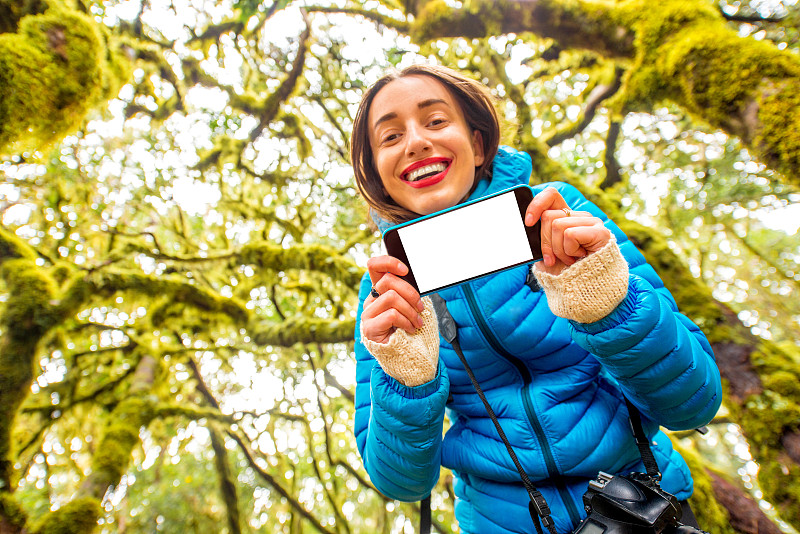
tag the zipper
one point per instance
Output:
(527, 401)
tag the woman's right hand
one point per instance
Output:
(398, 306)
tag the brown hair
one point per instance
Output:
(476, 105)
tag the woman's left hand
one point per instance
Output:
(567, 235)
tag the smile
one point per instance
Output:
(426, 173)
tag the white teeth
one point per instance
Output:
(416, 174)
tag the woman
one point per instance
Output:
(553, 363)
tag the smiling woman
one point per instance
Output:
(416, 151)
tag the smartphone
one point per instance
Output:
(467, 241)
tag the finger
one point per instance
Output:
(552, 237)
(391, 282)
(390, 311)
(584, 240)
(549, 199)
(378, 266)
(568, 233)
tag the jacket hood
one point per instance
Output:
(509, 168)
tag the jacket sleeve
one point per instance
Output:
(398, 428)
(661, 359)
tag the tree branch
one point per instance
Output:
(226, 480)
(610, 163)
(271, 105)
(303, 329)
(369, 14)
(596, 97)
(573, 24)
(310, 257)
(273, 483)
(750, 17)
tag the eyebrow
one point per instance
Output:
(421, 105)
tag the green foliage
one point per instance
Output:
(79, 516)
(780, 131)
(769, 416)
(53, 71)
(710, 515)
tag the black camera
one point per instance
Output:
(633, 503)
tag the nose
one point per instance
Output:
(416, 141)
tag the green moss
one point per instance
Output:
(716, 75)
(61, 272)
(769, 416)
(78, 516)
(12, 246)
(25, 85)
(310, 257)
(779, 115)
(685, 52)
(52, 72)
(784, 383)
(304, 330)
(12, 11)
(437, 14)
(28, 312)
(710, 514)
(26, 317)
(121, 436)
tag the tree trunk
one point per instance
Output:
(227, 480)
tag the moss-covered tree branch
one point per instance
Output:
(684, 51)
(383, 20)
(303, 329)
(310, 257)
(112, 456)
(105, 283)
(54, 69)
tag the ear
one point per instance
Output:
(477, 148)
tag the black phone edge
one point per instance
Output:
(534, 233)
(400, 254)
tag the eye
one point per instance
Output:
(437, 121)
(390, 138)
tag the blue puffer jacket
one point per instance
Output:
(554, 384)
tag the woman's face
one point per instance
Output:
(424, 151)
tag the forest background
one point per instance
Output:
(181, 239)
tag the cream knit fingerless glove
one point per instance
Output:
(589, 289)
(411, 359)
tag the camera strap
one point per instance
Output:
(642, 441)
(537, 506)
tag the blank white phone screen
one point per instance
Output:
(465, 243)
